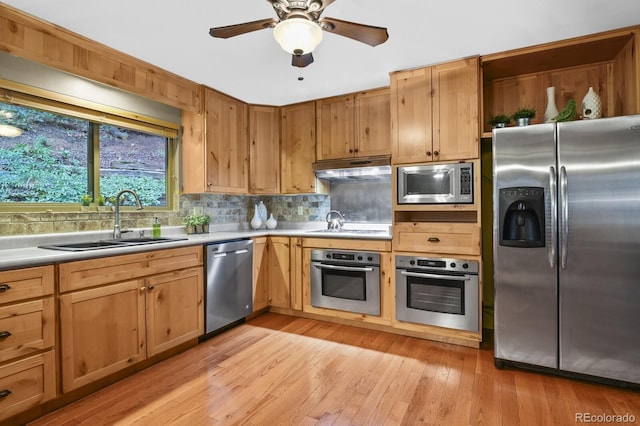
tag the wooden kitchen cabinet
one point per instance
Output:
(606, 61)
(298, 149)
(215, 148)
(119, 310)
(260, 274)
(264, 149)
(27, 339)
(441, 238)
(434, 113)
(354, 125)
(279, 272)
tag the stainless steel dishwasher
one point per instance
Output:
(229, 284)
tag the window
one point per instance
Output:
(52, 152)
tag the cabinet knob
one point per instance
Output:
(4, 334)
(4, 287)
(436, 153)
(428, 153)
(150, 287)
(434, 240)
(350, 151)
(142, 289)
(4, 393)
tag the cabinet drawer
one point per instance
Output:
(28, 283)
(93, 272)
(26, 383)
(26, 327)
(450, 238)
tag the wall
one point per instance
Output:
(229, 209)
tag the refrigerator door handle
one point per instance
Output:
(553, 194)
(565, 217)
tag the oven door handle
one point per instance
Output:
(342, 268)
(438, 277)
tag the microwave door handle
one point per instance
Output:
(342, 268)
(437, 277)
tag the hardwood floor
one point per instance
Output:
(285, 370)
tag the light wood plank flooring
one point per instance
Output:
(282, 370)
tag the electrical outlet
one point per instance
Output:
(197, 211)
(300, 210)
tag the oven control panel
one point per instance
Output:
(437, 264)
(345, 256)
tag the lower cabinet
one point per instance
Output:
(276, 273)
(108, 328)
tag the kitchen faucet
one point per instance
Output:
(336, 222)
(117, 233)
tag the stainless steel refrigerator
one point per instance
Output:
(566, 246)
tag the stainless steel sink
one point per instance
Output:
(105, 244)
(348, 231)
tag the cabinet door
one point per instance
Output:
(373, 123)
(226, 143)
(260, 274)
(296, 275)
(175, 313)
(102, 331)
(264, 150)
(279, 272)
(411, 124)
(298, 152)
(455, 110)
(335, 124)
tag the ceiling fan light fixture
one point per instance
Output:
(296, 35)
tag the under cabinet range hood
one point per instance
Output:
(350, 169)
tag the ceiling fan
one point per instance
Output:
(298, 28)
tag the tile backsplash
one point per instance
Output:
(222, 209)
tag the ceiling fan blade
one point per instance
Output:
(301, 61)
(247, 27)
(368, 34)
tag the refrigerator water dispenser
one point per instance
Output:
(522, 217)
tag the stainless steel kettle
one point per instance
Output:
(335, 223)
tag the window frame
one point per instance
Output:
(33, 97)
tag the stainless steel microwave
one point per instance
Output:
(436, 184)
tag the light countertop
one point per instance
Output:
(23, 251)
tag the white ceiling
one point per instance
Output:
(252, 67)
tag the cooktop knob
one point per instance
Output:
(465, 265)
(370, 258)
(328, 256)
(359, 257)
(453, 264)
(412, 262)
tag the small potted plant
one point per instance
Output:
(101, 203)
(205, 219)
(85, 201)
(500, 120)
(523, 116)
(190, 224)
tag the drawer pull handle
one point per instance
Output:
(434, 240)
(4, 287)
(4, 334)
(5, 393)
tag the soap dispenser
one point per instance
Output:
(156, 231)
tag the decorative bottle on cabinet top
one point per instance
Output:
(272, 222)
(591, 105)
(552, 111)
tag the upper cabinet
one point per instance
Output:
(298, 149)
(435, 113)
(226, 143)
(215, 146)
(264, 149)
(608, 62)
(354, 125)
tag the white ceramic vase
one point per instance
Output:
(551, 111)
(256, 223)
(262, 212)
(591, 105)
(272, 222)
